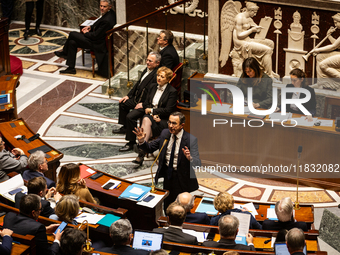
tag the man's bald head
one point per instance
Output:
(295, 240)
(186, 200)
(176, 214)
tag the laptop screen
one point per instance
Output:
(281, 249)
(147, 240)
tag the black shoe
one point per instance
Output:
(38, 32)
(69, 70)
(121, 130)
(60, 54)
(139, 160)
(26, 34)
(126, 147)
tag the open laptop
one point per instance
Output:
(146, 240)
(281, 249)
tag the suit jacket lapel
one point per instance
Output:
(164, 95)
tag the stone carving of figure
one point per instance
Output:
(296, 26)
(328, 60)
(242, 25)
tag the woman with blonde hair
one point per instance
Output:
(67, 209)
(69, 182)
(224, 203)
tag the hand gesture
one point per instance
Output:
(6, 231)
(140, 134)
(123, 99)
(58, 235)
(50, 193)
(18, 152)
(51, 228)
(82, 182)
(331, 30)
(186, 153)
(156, 118)
(249, 238)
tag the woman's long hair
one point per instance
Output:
(68, 179)
(252, 64)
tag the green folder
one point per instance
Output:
(108, 220)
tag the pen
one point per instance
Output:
(81, 217)
(118, 186)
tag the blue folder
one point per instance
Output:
(127, 194)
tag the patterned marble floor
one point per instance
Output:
(71, 113)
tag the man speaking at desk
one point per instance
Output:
(177, 159)
(93, 38)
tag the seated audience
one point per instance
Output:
(67, 209)
(72, 241)
(38, 186)
(228, 228)
(176, 216)
(121, 235)
(37, 165)
(137, 95)
(69, 182)
(168, 52)
(284, 212)
(25, 223)
(6, 246)
(186, 200)
(159, 104)
(224, 203)
(295, 240)
(16, 160)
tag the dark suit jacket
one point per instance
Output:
(186, 174)
(228, 244)
(140, 90)
(97, 36)
(278, 225)
(176, 235)
(123, 250)
(170, 57)
(30, 174)
(24, 225)
(310, 105)
(252, 225)
(47, 210)
(166, 104)
(200, 218)
(298, 253)
(6, 246)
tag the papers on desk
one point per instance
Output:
(88, 22)
(116, 183)
(250, 208)
(326, 123)
(5, 99)
(246, 110)
(218, 108)
(91, 218)
(13, 183)
(277, 117)
(271, 213)
(302, 121)
(85, 171)
(243, 229)
(153, 202)
(207, 206)
(201, 236)
(135, 192)
(108, 219)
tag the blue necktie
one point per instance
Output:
(171, 161)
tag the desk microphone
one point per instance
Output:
(167, 138)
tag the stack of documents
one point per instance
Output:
(91, 218)
(277, 117)
(135, 192)
(243, 228)
(14, 183)
(249, 207)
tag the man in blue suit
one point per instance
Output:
(178, 158)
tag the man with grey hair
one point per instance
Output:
(228, 228)
(187, 201)
(121, 235)
(284, 212)
(37, 164)
(135, 98)
(93, 38)
(14, 160)
(295, 240)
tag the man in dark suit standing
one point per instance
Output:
(26, 223)
(168, 52)
(228, 228)
(138, 94)
(176, 215)
(186, 200)
(177, 159)
(295, 240)
(92, 37)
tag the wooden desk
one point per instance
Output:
(270, 145)
(20, 249)
(10, 129)
(8, 84)
(141, 217)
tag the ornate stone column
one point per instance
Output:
(213, 33)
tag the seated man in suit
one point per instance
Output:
(138, 93)
(186, 200)
(25, 223)
(38, 186)
(92, 37)
(176, 216)
(16, 160)
(6, 246)
(284, 212)
(295, 240)
(121, 235)
(168, 52)
(72, 241)
(37, 165)
(228, 228)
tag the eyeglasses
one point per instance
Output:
(172, 123)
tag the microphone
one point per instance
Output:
(296, 204)
(299, 151)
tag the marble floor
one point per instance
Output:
(71, 113)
